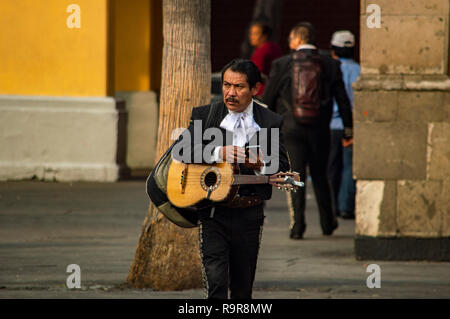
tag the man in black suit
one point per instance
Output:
(230, 234)
(308, 145)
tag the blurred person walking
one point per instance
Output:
(340, 162)
(265, 51)
(302, 86)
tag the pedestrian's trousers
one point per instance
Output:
(310, 147)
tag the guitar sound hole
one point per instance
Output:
(210, 179)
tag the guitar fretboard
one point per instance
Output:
(250, 179)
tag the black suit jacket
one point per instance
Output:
(263, 117)
(278, 91)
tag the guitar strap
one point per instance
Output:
(213, 114)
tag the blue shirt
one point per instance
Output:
(350, 72)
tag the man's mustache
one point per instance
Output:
(232, 99)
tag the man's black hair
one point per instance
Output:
(311, 31)
(246, 67)
(343, 52)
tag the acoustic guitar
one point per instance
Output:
(191, 184)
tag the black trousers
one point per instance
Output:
(310, 147)
(229, 245)
(335, 165)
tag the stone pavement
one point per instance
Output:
(44, 227)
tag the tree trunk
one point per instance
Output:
(167, 256)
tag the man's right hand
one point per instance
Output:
(232, 154)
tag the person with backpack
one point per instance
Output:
(302, 86)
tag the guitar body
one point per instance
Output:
(197, 185)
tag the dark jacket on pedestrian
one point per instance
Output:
(278, 92)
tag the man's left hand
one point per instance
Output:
(254, 161)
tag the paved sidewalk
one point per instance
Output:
(44, 227)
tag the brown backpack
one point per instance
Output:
(306, 86)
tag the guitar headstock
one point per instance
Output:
(289, 181)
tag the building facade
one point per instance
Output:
(78, 83)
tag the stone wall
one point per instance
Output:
(62, 138)
(402, 133)
(142, 130)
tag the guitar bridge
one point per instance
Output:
(183, 178)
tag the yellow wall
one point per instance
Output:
(40, 55)
(137, 44)
(117, 48)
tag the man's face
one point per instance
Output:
(294, 41)
(237, 94)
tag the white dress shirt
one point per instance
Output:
(306, 46)
(241, 124)
(243, 127)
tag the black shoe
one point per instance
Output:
(330, 232)
(297, 232)
(347, 215)
(294, 235)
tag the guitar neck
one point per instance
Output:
(250, 179)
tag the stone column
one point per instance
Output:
(402, 133)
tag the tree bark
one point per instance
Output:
(167, 256)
